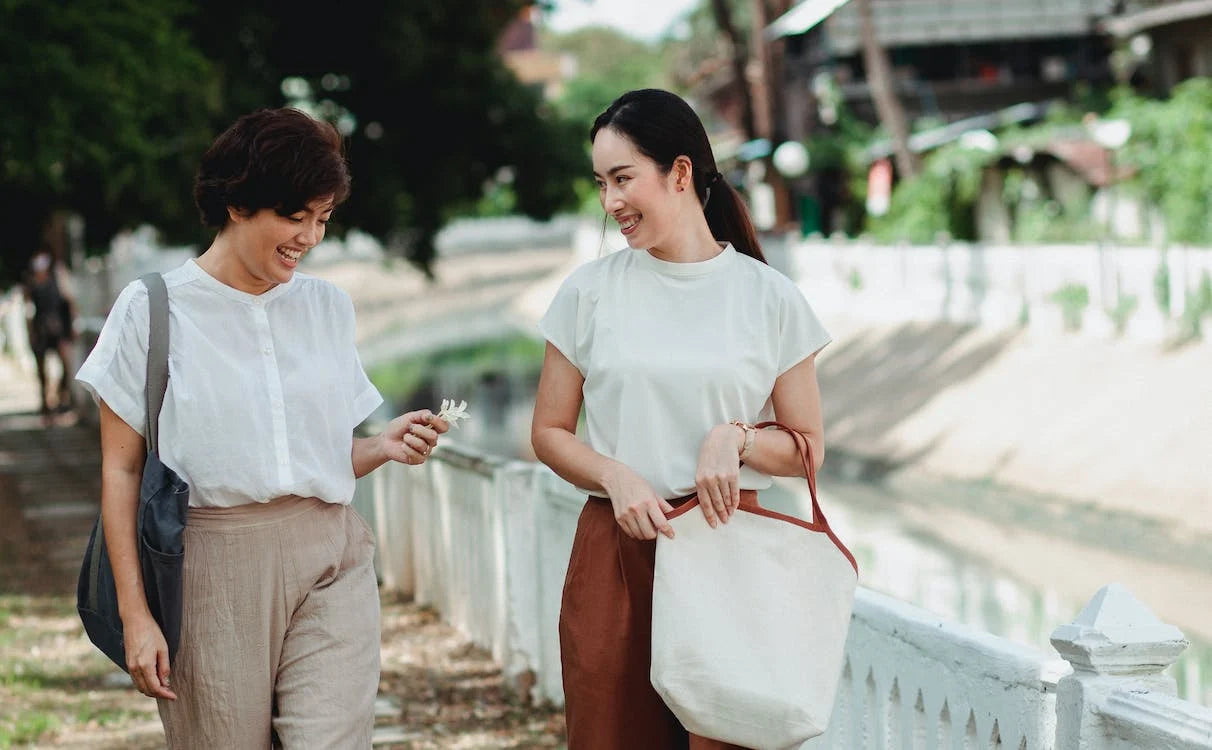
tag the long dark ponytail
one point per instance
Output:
(662, 126)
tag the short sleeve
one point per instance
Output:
(364, 396)
(367, 397)
(116, 369)
(800, 332)
(559, 325)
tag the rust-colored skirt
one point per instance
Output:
(606, 641)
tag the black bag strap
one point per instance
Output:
(156, 386)
(157, 356)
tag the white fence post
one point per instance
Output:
(1116, 645)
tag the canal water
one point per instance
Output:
(930, 542)
(1008, 562)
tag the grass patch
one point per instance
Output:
(52, 681)
(26, 674)
(25, 605)
(105, 716)
(27, 728)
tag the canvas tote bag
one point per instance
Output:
(749, 621)
(159, 525)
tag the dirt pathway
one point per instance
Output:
(436, 691)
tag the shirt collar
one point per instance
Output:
(197, 273)
(698, 268)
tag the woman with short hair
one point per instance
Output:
(280, 634)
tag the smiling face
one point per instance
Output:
(634, 191)
(268, 247)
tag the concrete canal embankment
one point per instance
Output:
(1123, 425)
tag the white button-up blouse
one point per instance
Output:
(264, 391)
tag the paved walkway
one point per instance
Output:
(437, 690)
(49, 490)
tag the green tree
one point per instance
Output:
(106, 107)
(1169, 152)
(109, 105)
(704, 49)
(608, 63)
(432, 113)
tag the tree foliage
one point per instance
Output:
(1165, 157)
(608, 63)
(434, 112)
(105, 102)
(703, 47)
(110, 105)
(1170, 150)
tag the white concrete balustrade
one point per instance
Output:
(1117, 696)
(999, 286)
(913, 680)
(486, 541)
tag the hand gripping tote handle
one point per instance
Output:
(159, 524)
(749, 620)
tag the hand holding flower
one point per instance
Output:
(411, 437)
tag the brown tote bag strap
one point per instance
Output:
(805, 448)
(818, 515)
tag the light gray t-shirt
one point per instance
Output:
(669, 350)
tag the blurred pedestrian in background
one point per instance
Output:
(48, 289)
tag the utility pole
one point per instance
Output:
(883, 92)
(740, 63)
(771, 54)
(768, 99)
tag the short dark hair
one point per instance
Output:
(662, 126)
(281, 159)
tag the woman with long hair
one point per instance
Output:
(675, 348)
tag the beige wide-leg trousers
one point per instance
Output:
(280, 641)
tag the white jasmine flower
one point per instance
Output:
(452, 413)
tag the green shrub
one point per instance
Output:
(1161, 287)
(1170, 149)
(1073, 300)
(1199, 305)
(1124, 307)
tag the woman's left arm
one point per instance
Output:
(797, 404)
(408, 439)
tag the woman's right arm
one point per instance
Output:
(122, 455)
(637, 508)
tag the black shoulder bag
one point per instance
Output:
(159, 525)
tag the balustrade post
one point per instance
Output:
(1116, 643)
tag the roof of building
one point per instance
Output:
(901, 23)
(1159, 14)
